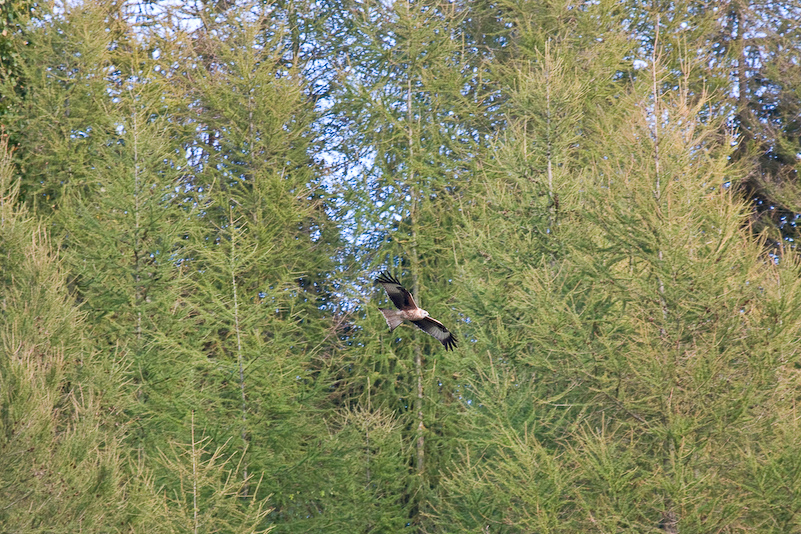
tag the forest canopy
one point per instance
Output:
(598, 198)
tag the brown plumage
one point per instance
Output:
(409, 311)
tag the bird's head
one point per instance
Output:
(425, 313)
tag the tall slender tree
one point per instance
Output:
(259, 267)
(63, 460)
(124, 211)
(749, 49)
(641, 367)
(412, 98)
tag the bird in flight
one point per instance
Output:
(409, 311)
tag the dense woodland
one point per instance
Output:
(598, 198)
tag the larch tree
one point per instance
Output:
(101, 159)
(110, 160)
(523, 216)
(63, 453)
(750, 51)
(413, 100)
(649, 350)
(259, 264)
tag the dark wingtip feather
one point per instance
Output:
(386, 278)
(450, 343)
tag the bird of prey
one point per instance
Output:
(409, 311)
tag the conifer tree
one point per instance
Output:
(63, 459)
(53, 101)
(521, 216)
(119, 199)
(641, 366)
(13, 19)
(125, 212)
(413, 101)
(258, 267)
(101, 158)
(749, 49)
(190, 347)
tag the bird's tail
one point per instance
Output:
(393, 318)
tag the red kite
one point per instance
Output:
(408, 310)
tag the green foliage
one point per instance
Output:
(644, 344)
(13, 17)
(58, 112)
(62, 454)
(199, 199)
(210, 495)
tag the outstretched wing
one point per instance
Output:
(435, 328)
(401, 298)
